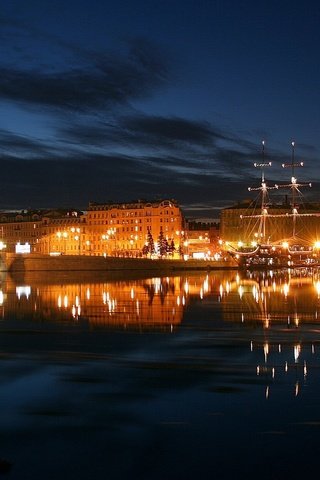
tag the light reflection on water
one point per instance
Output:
(267, 298)
(160, 378)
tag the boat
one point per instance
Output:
(267, 249)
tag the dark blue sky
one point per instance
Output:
(122, 100)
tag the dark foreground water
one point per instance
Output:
(192, 377)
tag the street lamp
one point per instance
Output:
(186, 250)
(63, 236)
(111, 234)
(181, 237)
(133, 242)
(77, 237)
(106, 238)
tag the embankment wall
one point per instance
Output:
(32, 262)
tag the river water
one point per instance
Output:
(195, 376)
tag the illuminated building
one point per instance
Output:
(40, 229)
(105, 229)
(241, 223)
(19, 227)
(63, 234)
(202, 239)
(109, 229)
(122, 229)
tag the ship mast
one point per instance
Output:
(294, 187)
(263, 188)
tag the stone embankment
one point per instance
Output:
(71, 263)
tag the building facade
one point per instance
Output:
(19, 228)
(245, 224)
(107, 229)
(202, 239)
(41, 231)
(124, 229)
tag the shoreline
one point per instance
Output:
(12, 263)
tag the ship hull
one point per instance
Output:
(268, 257)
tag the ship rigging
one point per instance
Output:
(268, 247)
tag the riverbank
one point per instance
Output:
(76, 263)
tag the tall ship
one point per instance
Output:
(272, 235)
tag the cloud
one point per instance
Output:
(108, 79)
(153, 157)
(48, 180)
(171, 130)
(143, 132)
(20, 145)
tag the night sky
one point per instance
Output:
(124, 100)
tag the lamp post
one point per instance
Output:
(316, 249)
(63, 236)
(183, 242)
(110, 235)
(133, 243)
(77, 237)
(106, 238)
(186, 249)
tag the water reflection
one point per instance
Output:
(171, 377)
(282, 308)
(276, 314)
(150, 302)
(265, 298)
(290, 297)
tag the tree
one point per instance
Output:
(171, 248)
(162, 244)
(145, 250)
(150, 242)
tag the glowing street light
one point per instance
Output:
(63, 235)
(77, 237)
(110, 235)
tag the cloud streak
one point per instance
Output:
(108, 80)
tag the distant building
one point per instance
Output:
(63, 232)
(202, 239)
(44, 231)
(242, 222)
(19, 228)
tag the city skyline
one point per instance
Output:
(119, 101)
